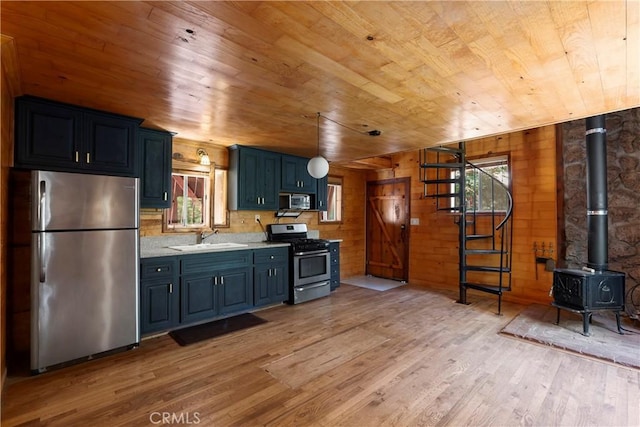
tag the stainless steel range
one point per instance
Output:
(310, 265)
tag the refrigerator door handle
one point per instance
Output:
(41, 256)
(42, 204)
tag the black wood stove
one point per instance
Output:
(594, 287)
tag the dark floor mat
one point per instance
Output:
(194, 334)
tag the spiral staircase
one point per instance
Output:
(485, 232)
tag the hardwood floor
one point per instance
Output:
(408, 356)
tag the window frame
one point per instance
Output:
(182, 228)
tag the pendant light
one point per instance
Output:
(318, 167)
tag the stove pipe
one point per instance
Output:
(597, 215)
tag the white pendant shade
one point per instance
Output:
(318, 167)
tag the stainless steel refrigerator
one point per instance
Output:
(84, 266)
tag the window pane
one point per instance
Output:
(195, 201)
(482, 194)
(189, 208)
(485, 193)
(334, 203)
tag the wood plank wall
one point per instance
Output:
(434, 243)
(9, 87)
(350, 230)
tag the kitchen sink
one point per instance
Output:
(208, 246)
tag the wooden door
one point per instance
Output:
(388, 228)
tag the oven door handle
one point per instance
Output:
(323, 251)
(314, 285)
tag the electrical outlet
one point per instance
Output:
(257, 220)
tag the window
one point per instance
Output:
(481, 193)
(190, 203)
(334, 201)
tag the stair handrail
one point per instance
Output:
(509, 210)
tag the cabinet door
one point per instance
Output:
(270, 179)
(159, 306)
(289, 178)
(307, 182)
(250, 166)
(322, 193)
(279, 288)
(295, 177)
(198, 297)
(155, 173)
(261, 279)
(110, 144)
(47, 135)
(235, 290)
(270, 283)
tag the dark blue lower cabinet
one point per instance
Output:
(159, 294)
(334, 248)
(207, 295)
(235, 290)
(270, 284)
(270, 276)
(159, 306)
(177, 291)
(199, 297)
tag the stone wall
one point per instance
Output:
(623, 182)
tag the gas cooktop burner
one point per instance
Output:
(296, 236)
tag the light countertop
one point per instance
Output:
(167, 251)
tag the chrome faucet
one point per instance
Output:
(203, 235)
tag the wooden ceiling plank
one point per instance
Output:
(337, 70)
(578, 43)
(435, 72)
(10, 65)
(238, 20)
(632, 56)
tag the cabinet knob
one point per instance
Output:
(165, 196)
(77, 157)
(271, 257)
(88, 157)
(170, 288)
(158, 269)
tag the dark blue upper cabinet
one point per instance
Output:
(322, 193)
(155, 168)
(55, 136)
(254, 179)
(295, 177)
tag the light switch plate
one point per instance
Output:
(415, 221)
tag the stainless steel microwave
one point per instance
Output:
(296, 202)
